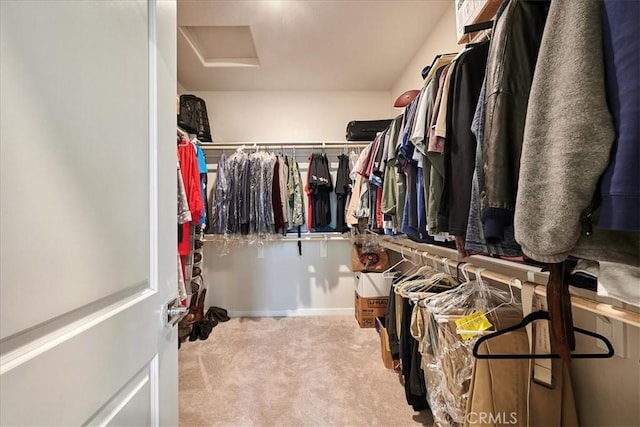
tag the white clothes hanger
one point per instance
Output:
(386, 274)
(183, 134)
(415, 289)
(419, 272)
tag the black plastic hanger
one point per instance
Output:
(540, 315)
(473, 28)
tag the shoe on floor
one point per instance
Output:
(218, 313)
(206, 326)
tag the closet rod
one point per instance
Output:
(281, 146)
(617, 313)
(305, 237)
(285, 145)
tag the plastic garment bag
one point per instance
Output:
(447, 326)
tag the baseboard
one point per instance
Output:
(293, 313)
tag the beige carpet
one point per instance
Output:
(295, 371)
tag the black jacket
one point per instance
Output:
(511, 63)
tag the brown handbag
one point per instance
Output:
(369, 258)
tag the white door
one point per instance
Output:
(88, 212)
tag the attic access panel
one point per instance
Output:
(222, 46)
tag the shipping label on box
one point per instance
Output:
(367, 309)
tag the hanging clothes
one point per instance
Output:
(359, 204)
(410, 209)
(620, 191)
(435, 152)
(554, 208)
(459, 156)
(319, 188)
(220, 200)
(295, 197)
(343, 190)
(238, 198)
(256, 194)
(308, 190)
(277, 200)
(184, 214)
(261, 190)
(193, 189)
(511, 63)
(283, 171)
(191, 179)
(203, 170)
(393, 187)
(414, 381)
(245, 206)
(184, 217)
(475, 242)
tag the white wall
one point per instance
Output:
(181, 89)
(607, 391)
(290, 116)
(284, 283)
(442, 39)
(250, 116)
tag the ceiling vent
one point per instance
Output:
(222, 46)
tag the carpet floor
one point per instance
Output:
(291, 371)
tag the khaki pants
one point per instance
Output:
(502, 393)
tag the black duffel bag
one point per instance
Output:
(365, 130)
(193, 117)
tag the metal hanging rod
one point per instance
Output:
(284, 145)
(305, 237)
(608, 310)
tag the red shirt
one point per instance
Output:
(191, 178)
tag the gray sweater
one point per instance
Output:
(567, 141)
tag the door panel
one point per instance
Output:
(76, 99)
(83, 371)
(88, 220)
(131, 406)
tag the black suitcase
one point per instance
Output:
(365, 130)
(193, 117)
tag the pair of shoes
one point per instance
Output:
(195, 332)
(198, 244)
(210, 316)
(196, 272)
(199, 315)
(196, 284)
(191, 314)
(184, 331)
(206, 326)
(218, 313)
(197, 257)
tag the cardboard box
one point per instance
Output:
(367, 309)
(372, 284)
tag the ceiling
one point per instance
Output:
(228, 45)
